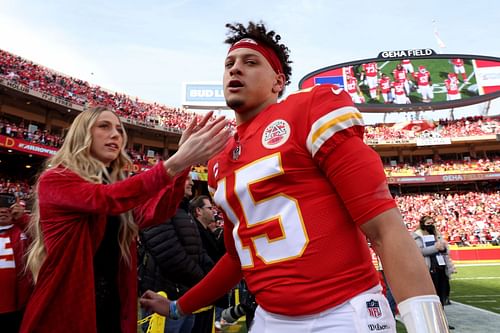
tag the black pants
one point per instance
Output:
(10, 322)
(203, 322)
(441, 282)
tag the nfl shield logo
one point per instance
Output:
(373, 309)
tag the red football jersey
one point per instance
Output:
(8, 277)
(299, 243)
(370, 69)
(385, 84)
(452, 86)
(422, 78)
(351, 85)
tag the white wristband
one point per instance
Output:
(423, 314)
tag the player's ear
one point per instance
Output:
(279, 83)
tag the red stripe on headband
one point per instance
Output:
(266, 51)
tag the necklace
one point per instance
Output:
(237, 149)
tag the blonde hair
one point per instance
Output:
(75, 155)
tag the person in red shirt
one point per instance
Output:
(459, 68)
(300, 193)
(424, 83)
(399, 75)
(85, 221)
(452, 88)
(398, 92)
(370, 76)
(384, 86)
(407, 65)
(15, 283)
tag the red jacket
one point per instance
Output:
(73, 215)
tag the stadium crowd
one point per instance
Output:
(444, 167)
(21, 131)
(34, 76)
(469, 126)
(37, 77)
(464, 219)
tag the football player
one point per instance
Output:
(300, 192)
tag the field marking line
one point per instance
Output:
(477, 309)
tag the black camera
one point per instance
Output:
(235, 312)
(7, 200)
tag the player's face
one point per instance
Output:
(107, 138)
(250, 83)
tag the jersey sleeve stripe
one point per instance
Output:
(330, 124)
(211, 191)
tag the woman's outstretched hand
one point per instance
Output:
(199, 142)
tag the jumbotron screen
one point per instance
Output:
(416, 80)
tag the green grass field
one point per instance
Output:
(439, 69)
(477, 286)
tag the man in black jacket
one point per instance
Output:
(172, 259)
(203, 213)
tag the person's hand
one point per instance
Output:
(17, 211)
(440, 245)
(199, 142)
(151, 301)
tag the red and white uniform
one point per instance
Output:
(385, 88)
(8, 278)
(351, 86)
(452, 89)
(400, 76)
(294, 186)
(371, 77)
(407, 65)
(399, 93)
(423, 78)
(458, 66)
(15, 286)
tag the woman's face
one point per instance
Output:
(107, 138)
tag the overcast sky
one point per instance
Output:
(149, 48)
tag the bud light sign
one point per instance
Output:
(204, 94)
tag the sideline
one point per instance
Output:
(468, 319)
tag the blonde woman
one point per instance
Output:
(86, 218)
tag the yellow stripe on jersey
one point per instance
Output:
(330, 124)
(211, 190)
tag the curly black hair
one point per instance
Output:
(259, 33)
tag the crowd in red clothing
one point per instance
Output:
(34, 76)
(25, 72)
(20, 188)
(469, 218)
(444, 167)
(464, 219)
(21, 131)
(470, 126)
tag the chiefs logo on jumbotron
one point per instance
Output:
(374, 309)
(276, 134)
